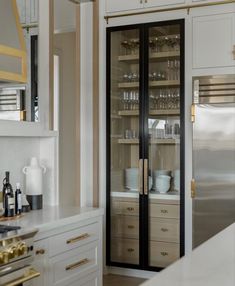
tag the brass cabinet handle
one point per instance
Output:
(31, 274)
(131, 226)
(79, 238)
(163, 253)
(40, 251)
(130, 250)
(146, 176)
(164, 211)
(130, 209)
(77, 264)
(141, 161)
(164, 229)
(193, 188)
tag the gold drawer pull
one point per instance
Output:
(130, 209)
(77, 264)
(164, 211)
(130, 250)
(29, 275)
(40, 251)
(79, 238)
(164, 253)
(131, 226)
(164, 229)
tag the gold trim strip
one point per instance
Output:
(32, 273)
(183, 7)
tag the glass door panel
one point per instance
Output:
(124, 146)
(164, 124)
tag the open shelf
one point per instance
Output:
(153, 141)
(164, 112)
(153, 57)
(158, 83)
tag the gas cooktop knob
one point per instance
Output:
(1, 258)
(22, 248)
(13, 252)
(6, 257)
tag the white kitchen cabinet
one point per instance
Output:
(113, 6)
(33, 8)
(213, 41)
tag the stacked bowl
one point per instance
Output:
(131, 179)
(161, 181)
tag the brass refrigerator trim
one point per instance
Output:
(193, 113)
(193, 188)
(183, 7)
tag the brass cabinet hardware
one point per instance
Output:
(130, 250)
(141, 161)
(163, 253)
(40, 251)
(164, 211)
(161, 10)
(164, 229)
(193, 113)
(193, 189)
(23, 115)
(31, 274)
(79, 238)
(130, 209)
(146, 176)
(77, 264)
(130, 226)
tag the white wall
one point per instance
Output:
(65, 16)
(65, 47)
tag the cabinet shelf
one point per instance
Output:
(164, 112)
(159, 83)
(153, 57)
(153, 141)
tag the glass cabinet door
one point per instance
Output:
(123, 133)
(164, 152)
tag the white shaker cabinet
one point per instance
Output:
(33, 8)
(28, 11)
(213, 41)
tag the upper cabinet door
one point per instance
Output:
(213, 41)
(156, 3)
(33, 11)
(21, 4)
(113, 6)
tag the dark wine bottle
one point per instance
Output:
(8, 197)
(18, 200)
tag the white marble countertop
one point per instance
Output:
(211, 264)
(50, 218)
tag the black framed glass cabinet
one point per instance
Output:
(145, 145)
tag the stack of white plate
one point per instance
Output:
(157, 173)
(176, 175)
(163, 184)
(131, 179)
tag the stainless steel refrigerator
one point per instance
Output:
(213, 184)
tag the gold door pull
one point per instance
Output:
(131, 226)
(193, 189)
(77, 264)
(79, 238)
(164, 229)
(163, 253)
(130, 250)
(130, 209)
(29, 275)
(40, 251)
(193, 113)
(164, 211)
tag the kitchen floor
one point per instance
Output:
(117, 280)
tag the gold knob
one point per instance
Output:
(22, 248)
(1, 258)
(40, 251)
(6, 257)
(13, 252)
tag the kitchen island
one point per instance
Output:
(211, 264)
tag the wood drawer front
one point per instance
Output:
(164, 211)
(125, 250)
(163, 254)
(73, 239)
(125, 208)
(166, 230)
(74, 264)
(125, 226)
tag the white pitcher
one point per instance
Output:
(34, 177)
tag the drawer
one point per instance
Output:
(163, 254)
(125, 250)
(125, 226)
(73, 239)
(164, 211)
(125, 208)
(164, 230)
(91, 280)
(74, 264)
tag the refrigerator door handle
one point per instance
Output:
(193, 189)
(141, 167)
(145, 177)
